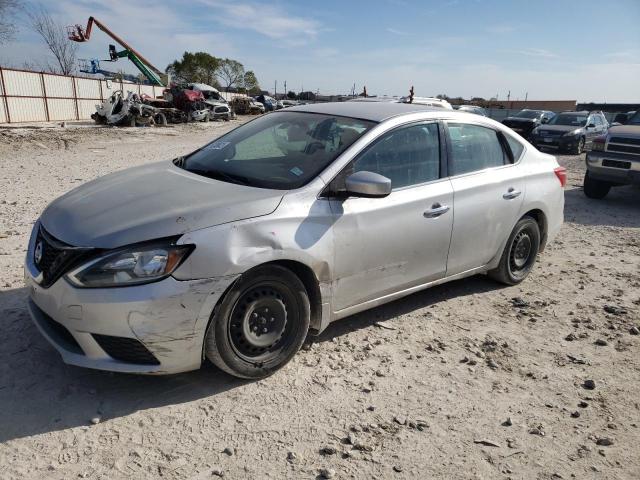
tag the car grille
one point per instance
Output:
(127, 350)
(616, 164)
(624, 145)
(551, 133)
(57, 257)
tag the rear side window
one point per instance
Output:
(516, 147)
(407, 155)
(474, 148)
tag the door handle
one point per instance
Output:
(511, 194)
(436, 210)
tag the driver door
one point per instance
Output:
(384, 245)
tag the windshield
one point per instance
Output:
(527, 114)
(283, 150)
(571, 119)
(635, 120)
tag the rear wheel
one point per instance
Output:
(594, 188)
(519, 253)
(260, 324)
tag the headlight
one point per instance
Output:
(572, 133)
(130, 266)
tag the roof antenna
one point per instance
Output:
(411, 94)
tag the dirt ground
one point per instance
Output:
(469, 380)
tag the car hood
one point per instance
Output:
(148, 202)
(559, 128)
(633, 130)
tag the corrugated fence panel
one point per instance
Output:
(88, 88)
(57, 86)
(22, 83)
(86, 108)
(62, 109)
(3, 114)
(26, 109)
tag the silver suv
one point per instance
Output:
(236, 252)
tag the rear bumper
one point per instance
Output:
(156, 328)
(618, 174)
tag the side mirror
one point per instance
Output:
(591, 125)
(545, 120)
(368, 185)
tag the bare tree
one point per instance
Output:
(55, 37)
(8, 9)
(230, 72)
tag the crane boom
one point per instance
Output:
(77, 34)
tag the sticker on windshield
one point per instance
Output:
(296, 171)
(216, 146)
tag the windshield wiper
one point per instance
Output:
(219, 175)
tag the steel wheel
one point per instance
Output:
(520, 252)
(259, 322)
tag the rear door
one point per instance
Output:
(384, 245)
(488, 188)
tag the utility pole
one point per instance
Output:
(285, 88)
(526, 96)
(275, 89)
(509, 96)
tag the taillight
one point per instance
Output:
(561, 173)
(598, 143)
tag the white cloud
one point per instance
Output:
(537, 52)
(401, 33)
(500, 29)
(267, 20)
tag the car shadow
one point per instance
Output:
(416, 301)
(39, 393)
(620, 208)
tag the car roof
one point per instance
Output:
(373, 111)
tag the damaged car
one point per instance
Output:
(218, 107)
(129, 111)
(238, 251)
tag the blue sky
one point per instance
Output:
(551, 49)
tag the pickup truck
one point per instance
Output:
(614, 159)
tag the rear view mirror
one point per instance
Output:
(368, 184)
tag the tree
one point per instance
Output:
(199, 67)
(230, 72)
(55, 37)
(8, 9)
(250, 82)
(291, 95)
(307, 96)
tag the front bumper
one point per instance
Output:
(560, 143)
(614, 168)
(167, 318)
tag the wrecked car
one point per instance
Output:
(246, 106)
(236, 252)
(127, 111)
(218, 106)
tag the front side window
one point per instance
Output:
(407, 155)
(527, 114)
(282, 150)
(474, 148)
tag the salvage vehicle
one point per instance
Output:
(614, 159)
(570, 131)
(127, 111)
(526, 120)
(218, 106)
(268, 102)
(246, 106)
(472, 109)
(236, 252)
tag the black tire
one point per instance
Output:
(579, 148)
(594, 188)
(519, 253)
(235, 341)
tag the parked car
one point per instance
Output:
(570, 131)
(243, 105)
(526, 120)
(289, 103)
(237, 251)
(472, 109)
(614, 159)
(428, 102)
(268, 102)
(622, 118)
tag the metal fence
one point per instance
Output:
(27, 96)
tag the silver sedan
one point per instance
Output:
(239, 250)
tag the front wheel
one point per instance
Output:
(260, 324)
(579, 148)
(594, 188)
(519, 253)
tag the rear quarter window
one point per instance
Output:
(516, 147)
